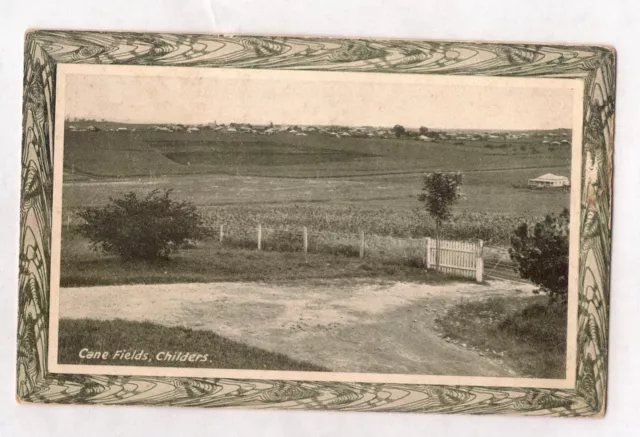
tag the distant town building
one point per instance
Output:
(549, 181)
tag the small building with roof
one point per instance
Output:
(549, 180)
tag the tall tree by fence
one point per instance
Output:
(440, 192)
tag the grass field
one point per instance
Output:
(529, 334)
(113, 335)
(489, 192)
(144, 152)
(330, 185)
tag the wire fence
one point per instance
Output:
(498, 265)
(308, 240)
(412, 251)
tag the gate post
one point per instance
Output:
(427, 258)
(479, 263)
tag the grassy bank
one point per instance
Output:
(211, 262)
(526, 332)
(214, 351)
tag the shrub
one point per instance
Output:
(148, 228)
(541, 253)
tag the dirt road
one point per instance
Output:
(346, 326)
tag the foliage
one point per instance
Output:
(424, 130)
(441, 190)
(524, 331)
(541, 252)
(399, 130)
(147, 228)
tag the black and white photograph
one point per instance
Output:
(315, 225)
(277, 218)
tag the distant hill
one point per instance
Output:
(96, 149)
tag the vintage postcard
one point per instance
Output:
(310, 228)
(265, 224)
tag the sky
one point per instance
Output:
(199, 96)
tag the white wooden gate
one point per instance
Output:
(459, 258)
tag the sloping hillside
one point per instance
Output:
(114, 154)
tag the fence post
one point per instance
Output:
(428, 257)
(305, 239)
(438, 254)
(259, 236)
(221, 233)
(479, 263)
(361, 244)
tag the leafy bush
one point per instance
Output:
(147, 228)
(541, 253)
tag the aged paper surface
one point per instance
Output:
(305, 180)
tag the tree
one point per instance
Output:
(441, 191)
(399, 130)
(148, 228)
(541, 253)
(424, 130)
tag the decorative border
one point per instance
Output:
(44, 49)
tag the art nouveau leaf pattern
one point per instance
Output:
(45, 49)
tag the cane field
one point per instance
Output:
(336, 187)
